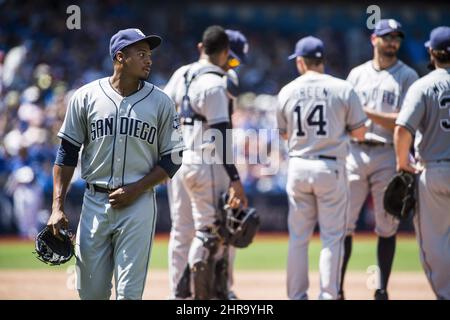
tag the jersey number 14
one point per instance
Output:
(315, 118)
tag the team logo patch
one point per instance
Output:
(176, 126)
(176, 122)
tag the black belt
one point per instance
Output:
(371, 143)
(100, 189)
(319, 157)
(327, 158)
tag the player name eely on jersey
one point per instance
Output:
(126, 126)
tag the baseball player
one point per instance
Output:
(129, 131)
(183, 231)
(316, 114)
(381, 84)
(201, 92)
(426, 115)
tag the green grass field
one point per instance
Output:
(264, 254)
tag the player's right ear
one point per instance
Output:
(120, 57)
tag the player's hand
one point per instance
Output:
(123, 196)
(57, 221)
(368, 110)
(408, 167)
(237, 195)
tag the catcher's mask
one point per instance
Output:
(237, 226)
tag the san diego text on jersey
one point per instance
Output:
(126, 126)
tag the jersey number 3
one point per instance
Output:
(315, 118)
(444, 103)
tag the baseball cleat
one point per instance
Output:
(381, 294)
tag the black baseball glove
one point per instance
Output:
(54, 250)
(399, 196)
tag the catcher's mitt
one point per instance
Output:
(399, 196)
(54, 250)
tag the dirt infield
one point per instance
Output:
(261, 285)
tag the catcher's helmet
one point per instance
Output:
(238, 226)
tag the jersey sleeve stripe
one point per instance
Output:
(65, 136)
(357, 125)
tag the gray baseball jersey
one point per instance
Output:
(426, 111)
(122, 139)
(428, 102)
(315, 111)
(382, 90)
(208, 98)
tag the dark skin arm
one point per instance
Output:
(126, 195)
(62, 175)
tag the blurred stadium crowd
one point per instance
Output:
(42, 62)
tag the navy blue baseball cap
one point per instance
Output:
(238, 45)
(309, 47)
(439, 39)
(385, 26)
(127, 37)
